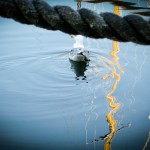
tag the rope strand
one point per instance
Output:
(83, 21)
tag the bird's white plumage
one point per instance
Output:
(78, 42)
(79, 53)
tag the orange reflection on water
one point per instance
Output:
(112, 105)
(113, 54)
(115, 45)
(109, 116)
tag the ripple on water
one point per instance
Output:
(47, 80)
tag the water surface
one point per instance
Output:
(45, 106)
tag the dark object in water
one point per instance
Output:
(79, 68)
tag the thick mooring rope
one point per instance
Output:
(83, 21)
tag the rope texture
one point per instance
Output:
(83, 21)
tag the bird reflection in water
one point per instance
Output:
(79, 69)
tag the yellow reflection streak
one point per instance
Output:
(113, 54)
(115, 45)
(112, 105)
(109, 116)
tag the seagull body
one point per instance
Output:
(79, 54)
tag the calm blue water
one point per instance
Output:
(44, 106)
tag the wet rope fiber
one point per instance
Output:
(85, 22)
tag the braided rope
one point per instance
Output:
(83, 21)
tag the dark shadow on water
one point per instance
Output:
(79, 69)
